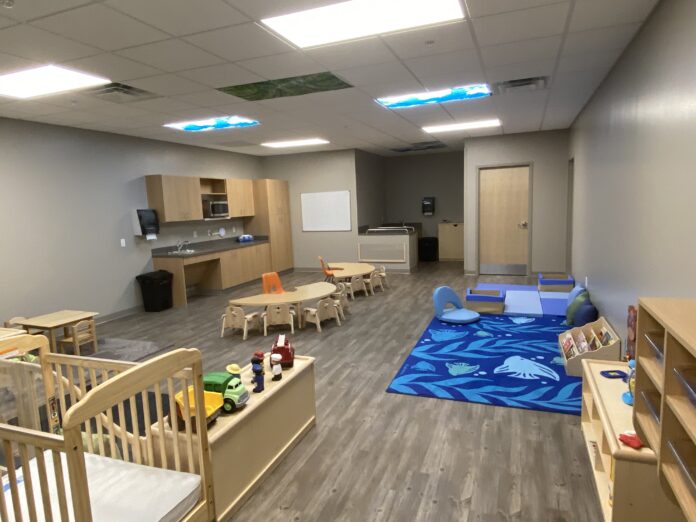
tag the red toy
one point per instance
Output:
(283, 347)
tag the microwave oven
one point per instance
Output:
(215, 209)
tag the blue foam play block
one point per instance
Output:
(505, 288)
(459, 316)
(523, 303)
(568, 280)
(552, 306)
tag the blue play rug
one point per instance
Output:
(500, 360)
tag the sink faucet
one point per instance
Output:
(180, 245)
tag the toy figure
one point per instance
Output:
(283, 347)
(276, 367)
(234, 370)
(631, 332)
(257, 358)
(258, 377)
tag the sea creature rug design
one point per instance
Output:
(499, 360)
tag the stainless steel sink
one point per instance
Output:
(185, 251)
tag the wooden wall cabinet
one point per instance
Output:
(175, 198)
(451, 241)
(240, 197)
(272, 218)
(242, 265)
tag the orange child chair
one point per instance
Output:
(327, 271)
(271, 283)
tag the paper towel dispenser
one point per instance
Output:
(146, 223)
(428, 206)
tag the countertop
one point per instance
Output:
(388, 233)
(202, 248)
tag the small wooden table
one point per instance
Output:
(49, 322)
(348, 270)
(310, 292)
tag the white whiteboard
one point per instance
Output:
(326, 211)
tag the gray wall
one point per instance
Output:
(370, 189)
(547, 152)
(634, 211)
(411, 178)
(317, 172)
(65, 203)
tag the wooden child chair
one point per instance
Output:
(340, 298)
(271, 283)
(78, 334)
(382, 271)
(326, 309)
(373, 282)
(278, 314)
(234, 317)
(356, 284)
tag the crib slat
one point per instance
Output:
(71, 384)
(100, 429)
(160, 424)
(110, 421)
(12, 475)
(88, 424)
(28, 482)
(43, 481)
(61, 389)
(187, 418)
(60, 485)
(3, 505)
(150, 458)
(173, 417)
(136, 431)
(124, 432)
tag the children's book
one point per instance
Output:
(581, 343)
(569, 346)
(606, 336)
(595, 343)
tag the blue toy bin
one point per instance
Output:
(555, 282)
(485, 301)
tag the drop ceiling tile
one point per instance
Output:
(584, 61)
(453, 79)
(221, 75)
(10, 63)
(389, 72)
(425, 115)
(181, 17)
(597, 40)
(5, 22)
(479, 109)
(479, 8)
(518, 71)
(21, 108)
(465, 60)
(239, 42)
(70, 118)
(406, 86)
(258, 9)
(26, 11)
(101, 27)
(167, 84)
(351, 54)
(36, 44)
(116, 68)
(163, 105)
(431, 40)
(537, 49)
(282, 65)
(521, 112)
(207, 98)
(593, 14)
(171, 55)
(538, 22)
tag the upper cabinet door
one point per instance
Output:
(240, 197)
(175, 198)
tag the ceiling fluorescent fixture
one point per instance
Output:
(464, 92)
(48, 79)
(216, 123)
(295, 143)
(468, 125)
(360, 18)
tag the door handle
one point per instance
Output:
(524, 225)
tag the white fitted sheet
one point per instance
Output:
(118, 491)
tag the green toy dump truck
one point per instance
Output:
(233, 392)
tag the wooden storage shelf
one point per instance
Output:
(610, 352)
(666, 359)
(622, 475)
(213, 186)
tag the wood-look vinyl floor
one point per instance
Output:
(375, 456)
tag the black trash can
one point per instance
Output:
(428, 249)
(157, 290)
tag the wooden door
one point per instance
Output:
(504, 220)
(240, 197)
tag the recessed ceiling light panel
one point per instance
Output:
(467, 125)
(295, 143)
(360, 18)
(216, 123)
(48, 79)
(465, 92)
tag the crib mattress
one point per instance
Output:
(118, 491)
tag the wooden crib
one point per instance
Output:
(83, 447)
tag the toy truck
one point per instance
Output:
(213, 404)
(229, 387)
(283, 347)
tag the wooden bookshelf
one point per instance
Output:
(609, 352)
(623, 476)
(666, 382)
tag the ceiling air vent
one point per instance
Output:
(522, 84)
(120, 93)
(423, 145)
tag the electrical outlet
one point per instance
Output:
(123, 242)
(195, 233)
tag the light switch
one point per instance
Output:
(123, 243)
